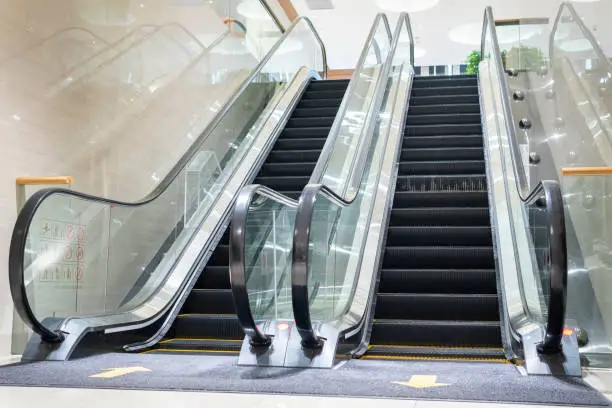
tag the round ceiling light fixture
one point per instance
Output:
(410, 6)
(575, 45)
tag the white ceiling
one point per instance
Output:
(345, 27)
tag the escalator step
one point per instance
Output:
(442, 141)
(220, 256)
(493, 354)
(316, 112)
(327, 94)
(442, 183)
(411, 199)
(441, 109)
(319, 103)
(209, 301)
(292, 156)
(287, 169)
(438, 333)
(436, 257)
(301, 133)
(321, 121)
(443, 99)
(442, 307)
(440, 216)
(475, 281)
(443, 153)
(327, 85)
(444, 118)
(300, 144)
(203, 345)
(444, 90)
(442, 129)
(444, 77)
(444, 82)
(214, 277)
(442, 167)
(207, 326)
(283, 183)
(439, 236)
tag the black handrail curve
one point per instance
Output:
(553, 201)
(240, 211)
(24, 219)
(306, 208)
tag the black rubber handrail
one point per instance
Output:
(306, 209)
(24, 219)
(552, 202)
(244, 203)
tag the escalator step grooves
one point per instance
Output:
(207, 323)
(437, 296)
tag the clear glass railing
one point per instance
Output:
(528, 215)
(80, 262)
(331, 272)
(263, 223)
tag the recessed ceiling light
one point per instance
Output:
(411, 6)
(470, 34)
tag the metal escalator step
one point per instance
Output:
(327, 94)
(320, 103)
(443, 153)
(441, 334)
(300, 144)
(329, 84)
(444, 77)
(207, 326)
(442, 141)
(209, 301)
(445, 109)
(481, 354)
(442, 167)
(438, 281)
(287, 169)
(443, 82)
(220, 256)
(443, 118)
(443, 99)
(448, 216)
(442, 183)
(439, 235)
(444, 90)
(292, 156)
(441, 307)
(438, 257)
(214, 277)
(313, 121)
(283, 183)
(315, 112)
(442, 129)
(306, 132)
(411, 199)
(202, 345)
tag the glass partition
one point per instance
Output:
(79, 255)
(336, 162)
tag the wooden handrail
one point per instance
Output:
(30, 181)
(586, 171)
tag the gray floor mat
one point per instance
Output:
(359, 378)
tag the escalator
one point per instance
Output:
(207, 321)
(437, 296)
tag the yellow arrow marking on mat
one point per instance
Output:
(118, 372)
(422, 381)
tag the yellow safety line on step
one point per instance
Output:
(199, 339)
(440, 358)
(190, 351)
(437, 347)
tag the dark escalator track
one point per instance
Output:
(207, 322)
(437, 296)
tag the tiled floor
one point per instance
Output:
(79, 398)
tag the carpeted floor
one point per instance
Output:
(360, 378)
